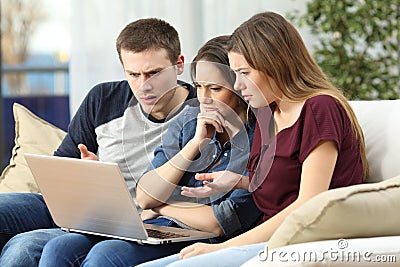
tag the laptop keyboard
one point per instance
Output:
(163, 235)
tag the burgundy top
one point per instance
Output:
(321, 118)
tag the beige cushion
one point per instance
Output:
(32, 135)
(365, 210)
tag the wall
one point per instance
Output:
(97, 23)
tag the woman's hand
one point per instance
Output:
(148, 214)
(86, 154)
(207, 123)
(223, 181)
(198, 249)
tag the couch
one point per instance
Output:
(353, 226)
(32, 135)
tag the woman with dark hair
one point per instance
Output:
(319, 143)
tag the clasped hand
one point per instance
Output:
(207, 124)
(222, 181)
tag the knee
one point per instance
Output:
(56, 254)
(11, 196)
(9, 205)
(100, 252)
(19, 199)
(21, 212)
(21, 244)
(27, 245)
(21, 250)
(74, 242)
(108, 253)
(56, 244)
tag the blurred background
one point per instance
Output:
(54, 51)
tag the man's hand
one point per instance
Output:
(223, 181)
(86, 154)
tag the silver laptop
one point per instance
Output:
(91, 197)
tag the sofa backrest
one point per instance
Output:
(380, 121)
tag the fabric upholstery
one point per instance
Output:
(373, 251)
(32, 135)
(380, 122)
(365, 210)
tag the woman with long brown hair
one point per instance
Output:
(319, 144)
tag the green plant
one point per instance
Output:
(358, 44)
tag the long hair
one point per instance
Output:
(216, 50)
(271, 45)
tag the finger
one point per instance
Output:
(204, 176)
(221, 119)
(196, 192)
(199, 249)
(190, 254)
(84, 151)
(82, 147)
(215, 124)
(218, 124)
(186, 250)
(188, 192)
(185, 191)
(213, 120)
(215, 115)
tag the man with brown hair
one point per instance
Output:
(121, 121)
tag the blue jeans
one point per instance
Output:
(234, 256)
(25, 249)
(84, 250)
(22, 212)
(19, 214)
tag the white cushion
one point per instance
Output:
(380, 122)
(375, 251)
